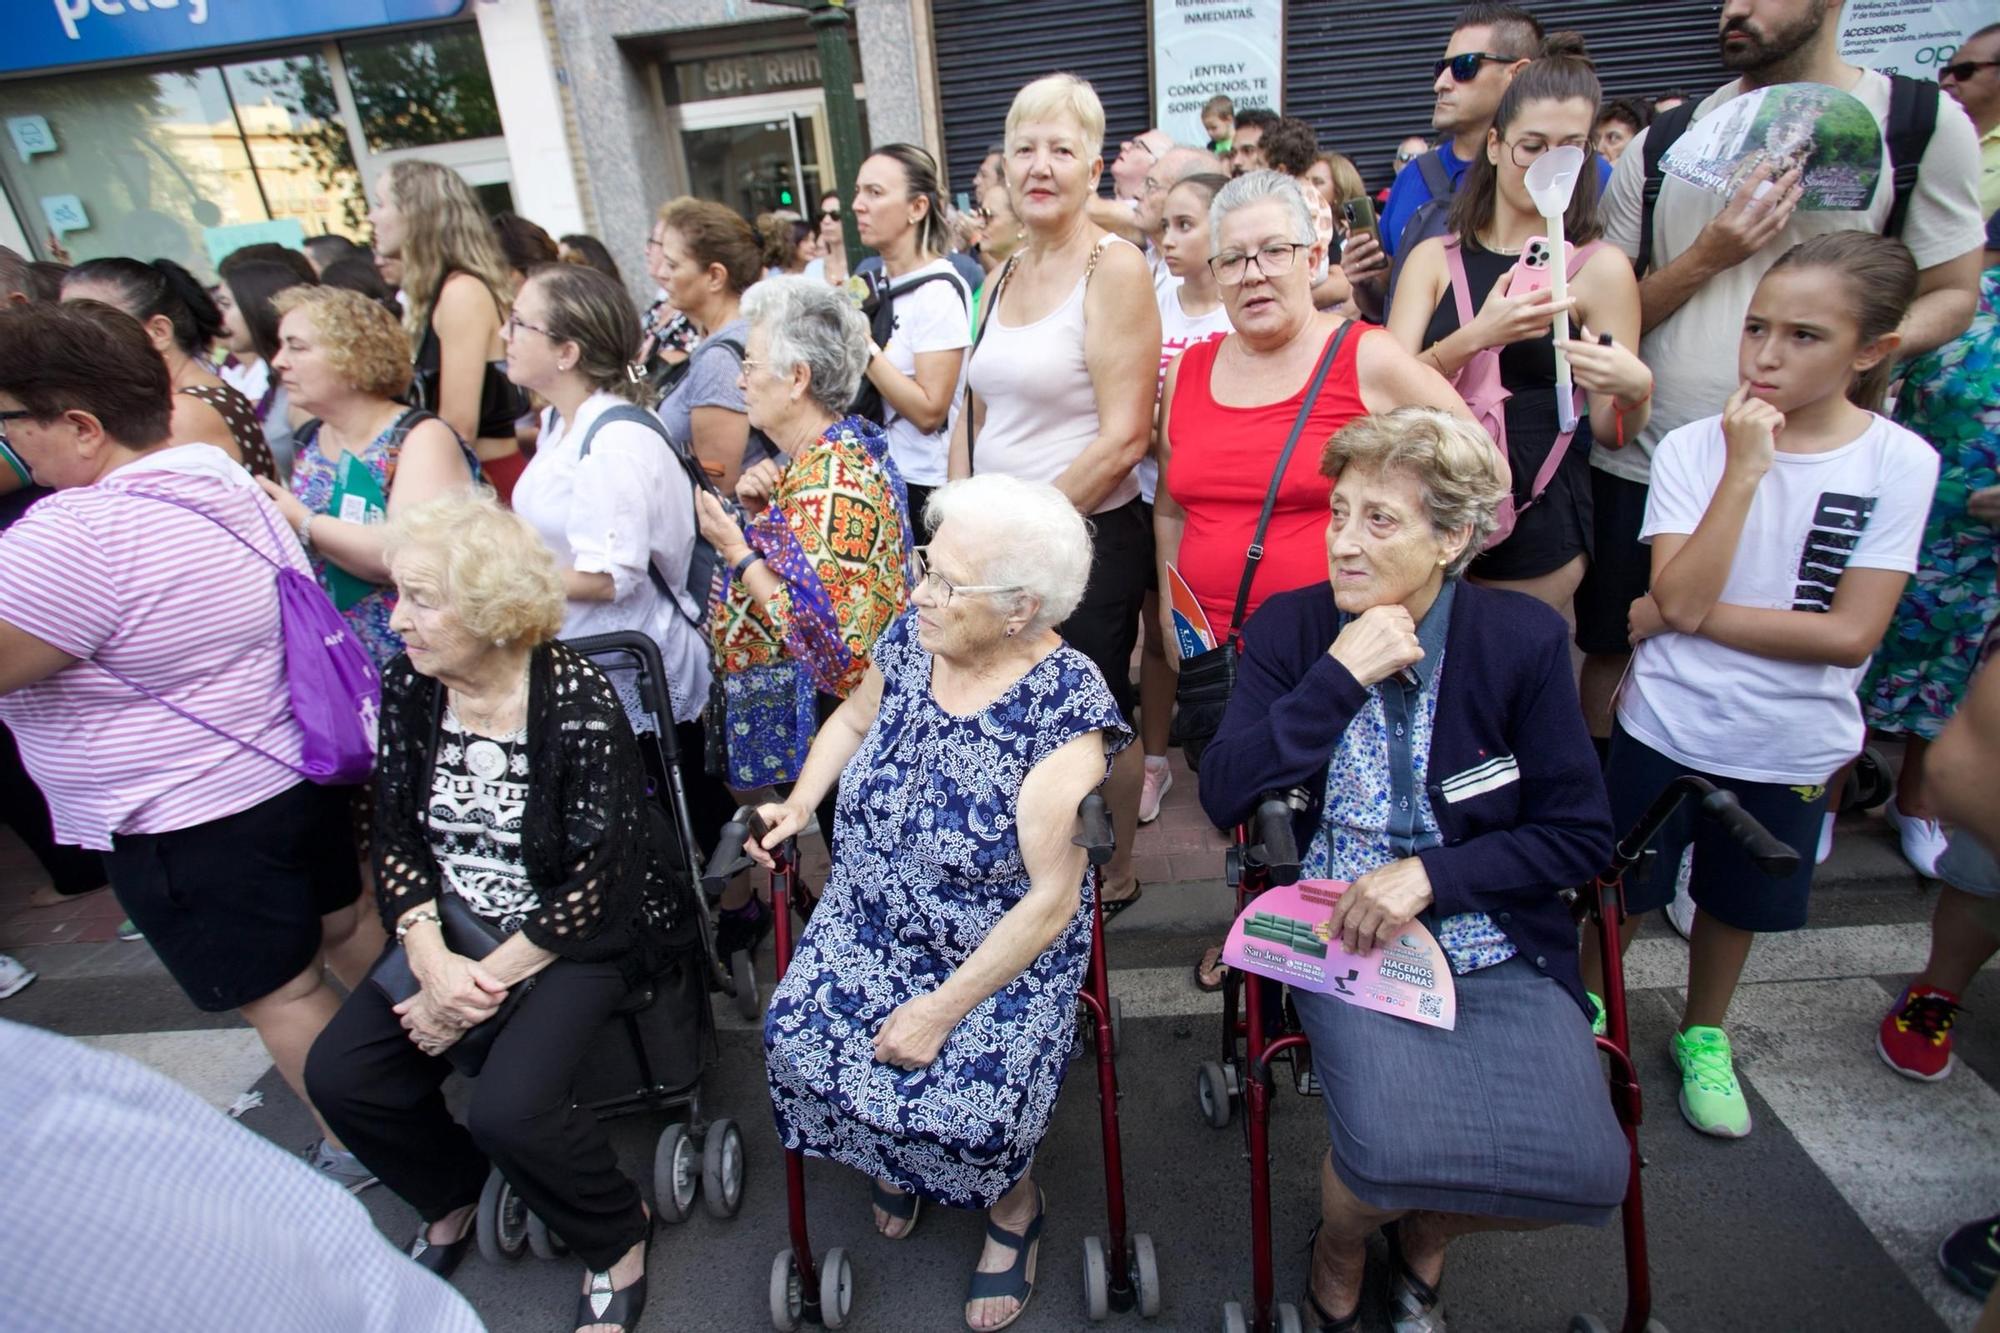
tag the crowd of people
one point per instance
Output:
(908, 540)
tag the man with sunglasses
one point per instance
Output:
(1489, 44)
(1972, 75)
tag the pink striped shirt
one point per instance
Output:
(169, 599)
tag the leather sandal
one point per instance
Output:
(1415, 1306)
(604, 1305)
(439, 1258)
(1017, 1279)
(1324, 1321)
(901, 1207)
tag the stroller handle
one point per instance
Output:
(1094, 833)
(1774, 858)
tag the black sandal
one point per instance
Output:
(439, 1258)
(1326, 1323)
(1113, 906)
(604, 1305)
(1013, 1280)
(900, 1207)
(1210, 971)
(1411, 1299)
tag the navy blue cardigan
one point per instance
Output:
(1513, 780)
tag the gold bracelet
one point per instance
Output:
(410, 922)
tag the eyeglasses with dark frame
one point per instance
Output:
(1964, 69)
(1536, 147)
(945, 588)
(1272, 261)
(514, 321)
(1464, 67)
(13, 461)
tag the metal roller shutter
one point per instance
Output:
(1360, 74)
(988, 49)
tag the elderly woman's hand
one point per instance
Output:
(1377, 906)
(461, 991)
(1378, 643)
(912, 1036)
(431, 1030)
(288, 504)
(755, 488)
(780, 822)
(720, 527)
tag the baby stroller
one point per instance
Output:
(667, 1026)
(1259, 1028)
(1121, 1274)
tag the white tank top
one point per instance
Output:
(1041, 411)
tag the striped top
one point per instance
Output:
(172, 600)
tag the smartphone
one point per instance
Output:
(964, 202)
(1360, 215)
(1531, 270)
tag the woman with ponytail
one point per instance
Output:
(182, 322)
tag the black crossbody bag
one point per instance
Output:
(1208, 679)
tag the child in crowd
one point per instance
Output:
(1782, 534)
(1218, 117)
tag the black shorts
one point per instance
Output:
(1621, 566)
(1725, 882)
(1105, 625)
(232, 907)
(1153, 563)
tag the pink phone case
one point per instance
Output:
(1531, 270)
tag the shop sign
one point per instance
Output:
(54, 34)
(745, 75)
(1910, 37)
(1205, 47)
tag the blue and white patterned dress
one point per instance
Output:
(930, 860)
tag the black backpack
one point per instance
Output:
(705, 566)
(1913, 110)
(879, 307)
(1432, 218)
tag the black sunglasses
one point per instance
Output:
(826, 213)
(1465, 68)
(1965, 69)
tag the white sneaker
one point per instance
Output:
(1680, 912)
(1923, 841)
(14, 977)
(1825, 840)
(1159, 780)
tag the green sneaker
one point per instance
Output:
(1711, 1099)
(1598, 1022)
(129, 932)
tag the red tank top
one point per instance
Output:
(1220, 468)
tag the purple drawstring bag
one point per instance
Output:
(336, 693)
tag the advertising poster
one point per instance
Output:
(1282, 935)
(1205, 47)
(1909, 37)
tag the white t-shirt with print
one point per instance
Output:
(1738, 715)
(1693, 351)
(936, 317)
(1178, 331)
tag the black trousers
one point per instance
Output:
(26, 810)
(382, 1097)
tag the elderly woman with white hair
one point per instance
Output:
(1432, 728)
(923, 1028)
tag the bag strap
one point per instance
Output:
(1255, 555)
(1662, 134)
(1430, 165)
(1913, 112)
(986, 315)
(639, 416)
(1461, 286)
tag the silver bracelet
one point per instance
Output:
(305, 530)
(415, 919)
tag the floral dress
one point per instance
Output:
(929, 861)
(1951, 397)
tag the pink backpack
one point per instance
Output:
(1478, 383)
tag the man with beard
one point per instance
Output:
(1708, 254)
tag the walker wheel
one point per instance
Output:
(1096, 1279)
(744, 973)
(836, 1287)
(1212, 1091)
(543, 1243)
(1232, 1318)
(787, 1303)
(676, 1174)
(502, 1221)
(1587, 1323)
(1146, 1275)
(722, 1169)
(1287, 1320)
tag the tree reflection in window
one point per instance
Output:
(418, 89)
(302, 86)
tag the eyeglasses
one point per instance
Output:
(1964, 69)
(1271, 261)
(13, 461)
(944, 588)
(1141, 145)
(514, 322)
(1525, 151)
(1465, 68)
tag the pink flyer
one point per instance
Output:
(1283, 935)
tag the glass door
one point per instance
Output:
(753, 168)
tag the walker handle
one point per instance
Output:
(729, 857)
(1095, 834)
(1276, 848)
(1774, 858)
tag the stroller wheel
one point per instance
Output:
(1232, 1318)
(787, 1304)
(676, 1174)
(1096, 1279)
(1212, 1091)
(1146, 1275)
(722, 1169)
(1587, 1323)
(502, 1221)
(543, 1243)
(836, 1287)
(744, 973)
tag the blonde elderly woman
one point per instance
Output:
(1064, 379)
(1433, 726)
(344, 360)
(508, 781)
(922, 1031)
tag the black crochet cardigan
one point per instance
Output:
(590, 840)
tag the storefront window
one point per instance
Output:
(414, 90)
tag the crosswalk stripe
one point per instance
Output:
(216, 1064)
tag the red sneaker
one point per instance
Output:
(1915, 1036)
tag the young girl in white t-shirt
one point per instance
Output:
(1783, 532)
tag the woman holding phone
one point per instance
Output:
(1551, 103)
